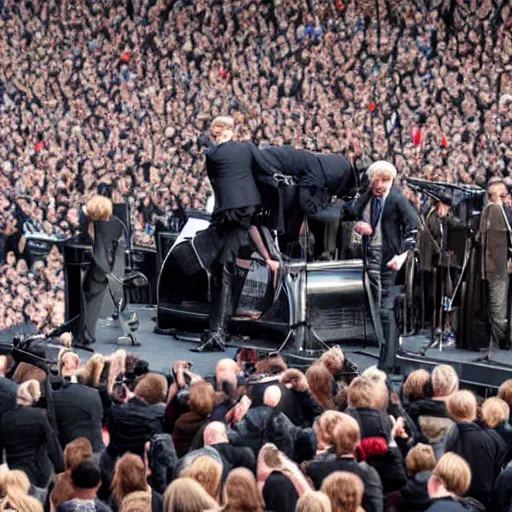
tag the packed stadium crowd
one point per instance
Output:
(121, 92)
(257, 436)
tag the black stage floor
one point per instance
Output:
(160, 350)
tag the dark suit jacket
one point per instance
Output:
(322, 170)
(8, 390)
(230, 167)
(79, 411)
(373, 498)
(399, 224)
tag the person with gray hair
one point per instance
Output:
(389, 225)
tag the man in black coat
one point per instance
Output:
(230, 167)
(108, 256)
(319, 177)
(346, 438)
(79, 411)
(389, 226)
(215, 435)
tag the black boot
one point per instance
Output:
(220, 314)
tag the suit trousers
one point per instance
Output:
(382, 287)
(498, 299)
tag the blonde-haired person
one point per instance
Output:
(30, 443)
(187, 495)
(429, 413)
(208, 472)
(450, 480)
(280, 480)
(346, 437)
(241, 492)
(368, 400)
(495, 414)
(130, 474)
(138, 501)
(108, 242)
(314, 501)
(482, 448)
(230, 167)
(14, 488)
(420, 462)
(345, 491)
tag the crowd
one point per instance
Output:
(122, 91)
(112, 435)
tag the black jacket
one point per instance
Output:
(8, 390)
(235, 456)
(484, 451)
(262, 425)
(323, 171)
(279, 493)
(373, 498)
(400, 222)
(30, 444)
(413, 496)
(390, 466)
(79, 412)
(230, 167)
(131, 425)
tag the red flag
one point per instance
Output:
(444, 141)
(39, 146)
(372, 107)
(125, 57)
(340, 5)
(416, 136)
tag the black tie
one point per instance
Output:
(376, 210)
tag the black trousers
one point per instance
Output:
(382, 287)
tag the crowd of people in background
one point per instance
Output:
(112, 435)
(122, 92)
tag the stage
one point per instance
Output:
(160, 350)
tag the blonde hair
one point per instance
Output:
(29, 393)
(152, 388)
(462, 406)
(137, 501)
(129, 476)
(345, 491)
(333, 359)
(505, 392)
(326, 424)
(241, 492)
(64, 353)
(187, 495)
(367, 392)
(346, 435)
(117, 367)
(495, 412)
(14, 487)
(314, 501)
(99, 208)
(445, 380)
(92, 371)
(420, 458)
(206, 471)
(454, 473)
(415, 385)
